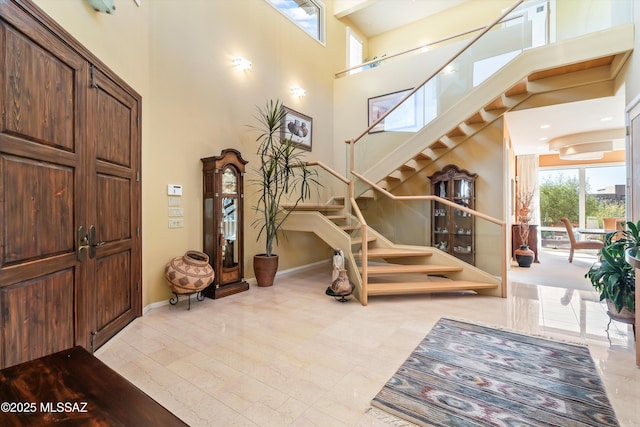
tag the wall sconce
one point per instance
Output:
(298, 91)
(104, 6)
(241, 63)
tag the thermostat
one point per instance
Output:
(174, 190)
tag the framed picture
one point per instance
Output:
(402, 117)
(298, 127)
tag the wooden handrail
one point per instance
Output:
(438, 70)
(331, 171)
(431, 198)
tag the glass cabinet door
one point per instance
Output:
(452, 227)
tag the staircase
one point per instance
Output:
(582, 68)
(390, 269)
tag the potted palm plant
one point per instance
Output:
(283, 177)
(612, 276)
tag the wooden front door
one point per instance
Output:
(69, 159)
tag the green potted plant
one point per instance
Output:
(283, 177)
(612, 276)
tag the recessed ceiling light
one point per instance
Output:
(606, 119)
(545, 126)
(544, 138)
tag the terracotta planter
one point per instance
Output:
(524, 256)
(265, 268)
(189, 273)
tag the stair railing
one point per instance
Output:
(418, 48)
(353, 141)
(486, 29)
(499, 222)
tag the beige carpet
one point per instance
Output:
(555, 270)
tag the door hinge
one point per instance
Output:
(138, 286)
(138, 176)
(138, 121)
(92, 336)
(92, 80)
(138, 231)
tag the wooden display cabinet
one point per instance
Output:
(223, 228)
(453, 230)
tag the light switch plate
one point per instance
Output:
(174, 201)
(176, 223)
(176, 211)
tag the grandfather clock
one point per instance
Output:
(223, 201)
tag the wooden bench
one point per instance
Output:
(72, 387)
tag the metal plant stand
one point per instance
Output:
(176, 298)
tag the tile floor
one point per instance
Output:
(291, 356)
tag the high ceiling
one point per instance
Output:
(379, 16)
(528, 128)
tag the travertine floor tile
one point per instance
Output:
(291, 356)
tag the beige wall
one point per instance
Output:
(451, 21)
(177, 55)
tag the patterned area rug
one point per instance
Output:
(464, 374)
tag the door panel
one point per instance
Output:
(114, 207)
(39, 318)
(114, 133)
(42, 194)
(44, 111)
(113, 284)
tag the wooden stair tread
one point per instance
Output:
(349, 227)
(336, 217)
(400, 268)
(313, 207)
(420, 287)
(395, 253)
(356, 240)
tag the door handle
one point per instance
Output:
(82, 244)
(92, 242)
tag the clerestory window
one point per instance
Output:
(306, 14)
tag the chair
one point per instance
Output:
(582, 244)
(611, 224)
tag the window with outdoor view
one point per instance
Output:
(306, 14)
(589, 196)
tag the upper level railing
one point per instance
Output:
(476, 55)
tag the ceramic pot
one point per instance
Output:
(189, 273)
(624, 315)
(265, 268)
(524, 256)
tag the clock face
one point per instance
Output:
(229, 182)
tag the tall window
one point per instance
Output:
(586, 195)
(354, 50)
(306, 14)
